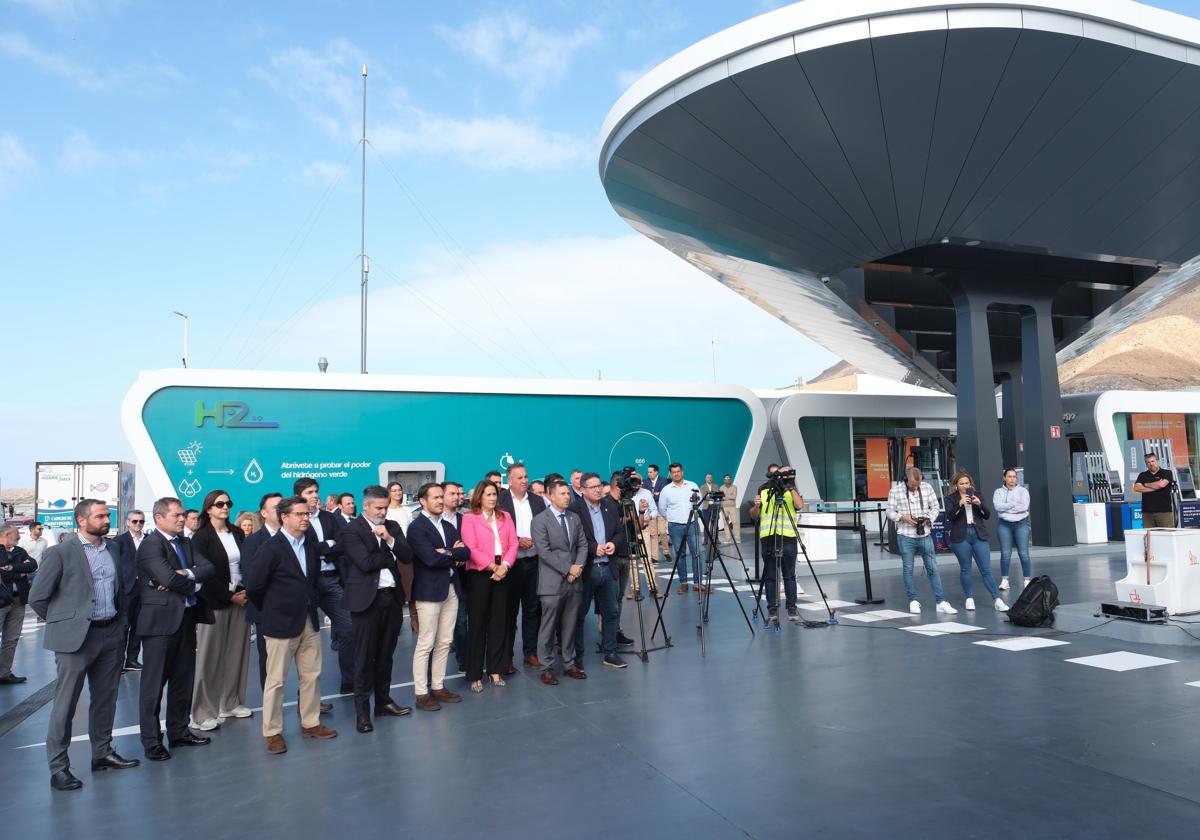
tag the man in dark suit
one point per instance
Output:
(323, 528)
(606, 540)
(345, 512)
(562, 554)
(522, 506)
(270, 520)
(170, 575)
(78, 593)
(439, 556)
(373, 545)
(657, 526)
(15, 568)
(128, 542)
(452, 499)
(282, 584)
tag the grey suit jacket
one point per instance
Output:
(555, 554)
(62, 594)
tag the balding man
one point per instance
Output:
(15, 568)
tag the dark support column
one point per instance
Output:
(1047, 467)
(1012, 423)
(978, 448)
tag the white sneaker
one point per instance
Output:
(1004, 583)
(944, 607)
(206, 725)
(1026, 583)
(1001, 606)
(970, 605)
(238, 712)
(914, 607)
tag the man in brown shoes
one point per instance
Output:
(282, 585)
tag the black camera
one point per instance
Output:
(715, 496)
(628, 482)
(922, 526)
(781, 481)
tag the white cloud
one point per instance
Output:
(529, 56)
(578, 301)
(495, 142)
(327, 88)
(15, 161)
(80, 155)
(131, 78)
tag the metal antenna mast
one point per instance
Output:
(363, 227)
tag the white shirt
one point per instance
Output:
(437, 525)
(314, 522)
(33, 548)
(386, 579)
(229, 543)
(499, 549)
(402, 516)
(523, 519)
(651, 507)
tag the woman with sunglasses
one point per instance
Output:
(492, 537)
(222, 648)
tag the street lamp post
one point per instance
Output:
(185, 335)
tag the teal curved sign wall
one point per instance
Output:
(248, 441)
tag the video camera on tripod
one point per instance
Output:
(629, 483)
(781, 481)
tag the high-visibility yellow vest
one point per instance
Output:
(771, 524)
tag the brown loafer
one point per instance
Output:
(276, 745)
(531, 661)
(322, 733)
(444, 695)
(548, 678)
(426, 703)
(575, 673)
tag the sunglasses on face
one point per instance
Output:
(137, 521)
(222, 504)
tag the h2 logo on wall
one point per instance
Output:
(231, 414)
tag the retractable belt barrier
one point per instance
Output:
(861, 530)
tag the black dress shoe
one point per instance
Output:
(326, 708)
(190, 740)
(63, 780)
(112, 761)
(132, 665)
(347, 688)
(363, 723)
(391, 709)
(622, 639)
(13, 679)
(157, 753)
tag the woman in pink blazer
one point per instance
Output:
(492, 537)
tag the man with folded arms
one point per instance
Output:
(282, 585)
(439, 556)
(78, 592)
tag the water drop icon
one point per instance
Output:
(253, 473)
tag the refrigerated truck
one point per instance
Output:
(60, 485)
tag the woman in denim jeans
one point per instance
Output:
(965, 513)
(1012, 506)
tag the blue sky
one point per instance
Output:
(203, 157)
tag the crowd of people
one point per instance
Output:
(180, 595)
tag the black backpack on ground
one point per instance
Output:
(1035, 606)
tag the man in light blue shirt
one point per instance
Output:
(675, 504)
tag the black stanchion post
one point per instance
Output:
(870, 596)
(757, 574)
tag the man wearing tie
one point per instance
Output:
(373, 545)
(169, 576)
(606, 541)
(128, 542)
(562, 554)
(439, 557)
(323, 528)
(281, 582)
(78, 592)
(657, 529)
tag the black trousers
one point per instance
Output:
(133, 643)
(168, 661)
(487, 618)
(376, 630)
(260, 642)
(523, 598)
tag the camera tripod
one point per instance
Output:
(777, 558)
(714, 555)
(639, 564)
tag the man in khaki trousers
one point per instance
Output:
(730, 506)
(282, 585)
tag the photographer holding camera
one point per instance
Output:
(776, 506)
(913, 506)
